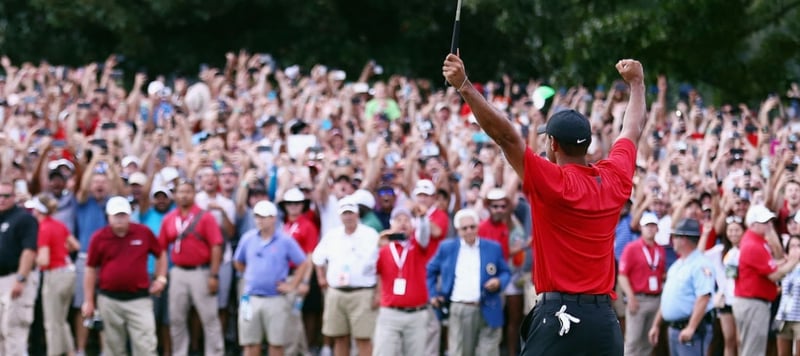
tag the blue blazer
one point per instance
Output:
(493, 265)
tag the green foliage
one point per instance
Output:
(742, 49)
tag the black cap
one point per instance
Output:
(568, 127)
(687, 228)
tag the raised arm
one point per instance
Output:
(633, 121)
(494, 122)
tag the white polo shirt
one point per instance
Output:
(350, 259)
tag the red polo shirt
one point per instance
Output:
(304, 232)
(640, 266)
(195, 248)
(497, 232)
(123, 260)
(576, 209)
(440, 219)
(413, 271)
(53, 235)
(755, 264)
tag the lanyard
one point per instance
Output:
(291, 228)
(181, 224)
(650, 262)
(398, 260)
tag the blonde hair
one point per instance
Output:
(48, 201)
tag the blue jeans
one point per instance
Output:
(698, 346)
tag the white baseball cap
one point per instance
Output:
(130, 159)
(348, 204)
(648, 219)
(162, 189)
(265, 208)
(364, 197)
(424, 186)
(137, 178)
(118, 205)
(294, 195)
(758, 214)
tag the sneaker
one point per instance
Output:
(326, 351)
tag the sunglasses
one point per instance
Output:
(6, 195)
(733, 219)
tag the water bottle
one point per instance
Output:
(297, 307)
(246, 309)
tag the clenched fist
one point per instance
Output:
(631, 71)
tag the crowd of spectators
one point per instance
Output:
(316, 141)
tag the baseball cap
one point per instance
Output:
(758, 214)
(265, 208)
(400, 211)
(53, 165)
(118, 205)
(364, 197)
(687, 228)
(569, 127)
(348, 204)
(128, 160)
(162, 189)
(424, 186)
(648, 219)
(137, 178)
(293, 195)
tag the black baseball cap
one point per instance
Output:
(568, 127)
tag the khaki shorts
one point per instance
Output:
(349, 313)
(269, 317)
(790, 330)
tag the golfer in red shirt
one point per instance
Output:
(575, 208)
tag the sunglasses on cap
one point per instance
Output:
(733, 219)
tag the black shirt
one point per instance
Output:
(18, 232)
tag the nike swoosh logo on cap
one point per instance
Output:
(581, 141)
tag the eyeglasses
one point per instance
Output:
(733, 219)
(497, 206)
(468, 227)
(5, 195)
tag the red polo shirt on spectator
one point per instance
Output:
(53, 235)
(497, 232)
(123, 260)
(640, 266)
(195, 248)
(304, 232)
(755, 265)
(413, 271)
(440, 218)
(575, 210)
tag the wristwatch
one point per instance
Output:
(21, 278)
(161, 279)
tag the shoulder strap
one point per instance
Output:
(192, 225)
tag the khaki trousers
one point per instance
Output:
(58, 287)
(638, 325)
(468, 334)
(190, 288)
(752, 324)
(16, 315)
(124, 319)
(433, 329)
(400, 333)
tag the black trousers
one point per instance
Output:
(597, 333)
